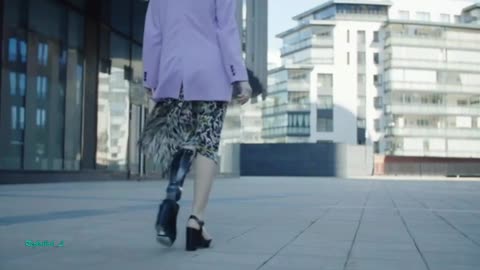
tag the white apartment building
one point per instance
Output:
(343, 73)
(326, 87)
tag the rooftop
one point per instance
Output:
(440, 24)
(471, 7)
(332, 2)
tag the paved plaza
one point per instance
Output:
(257, 223)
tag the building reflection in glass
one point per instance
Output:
(113, 107)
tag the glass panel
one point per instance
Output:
(12, 99)
(120, 16)
(74, 93)
(113, 105)
(139, 11)
(79, 3)
(76, 31)
(14, 15)
(47, 18)
(44, 116)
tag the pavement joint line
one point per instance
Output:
(442, 218)
(349, 254)
(242, 234)
(295, 237)
(399, 213)
(473, 211)
(81, 213)
(401, 208)
(457, 229)
(259, 197)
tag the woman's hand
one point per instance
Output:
(149, 92)
(242, 91)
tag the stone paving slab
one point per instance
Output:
(257, 223)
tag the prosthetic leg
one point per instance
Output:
(166, 224)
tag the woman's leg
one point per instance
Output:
(210, 117)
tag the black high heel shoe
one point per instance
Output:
(195, 237)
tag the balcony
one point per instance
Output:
(431, 64)
(298, 131)
(286, 131)
(291, 85)
(434, 132)
(318, 43)
(430, 87)
(284, 108)
(433, 110)
(431, 42)
(298, 86)
(431, 153)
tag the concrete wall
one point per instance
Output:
(426, 166)
(296, 159)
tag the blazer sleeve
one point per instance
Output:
(229, 40)
(152, 46)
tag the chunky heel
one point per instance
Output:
(194, 237)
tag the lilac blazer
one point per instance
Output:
(194, 43)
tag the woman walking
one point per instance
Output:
(193, 68)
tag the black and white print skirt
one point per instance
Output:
(176, 123)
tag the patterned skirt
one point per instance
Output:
(177, 123)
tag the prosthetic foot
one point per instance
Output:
(166, 224)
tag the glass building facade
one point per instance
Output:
(71, 95)
(286, 110)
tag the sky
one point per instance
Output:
(280, 17)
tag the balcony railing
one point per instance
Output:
(327, 43)
(298, 86)
(286, 131)
(284, 108)
(431, 153)
(432, 64)
(291, 85)
(433, 110)
(434, 132)
(432, 42)
(430, 87)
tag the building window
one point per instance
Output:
(458, 19)
(325, 102)
(377, 125)
(348, 58)
(361, 58)
(12, 50)
(462, 103)
(348, 36)
(376, 58)
(377, 79)
(445, 18)
(13, 83)
(325, 119)
(423, 16)
(361, 38)
(14, 117)
(404, 15)
(378, 102)
(376, 37)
